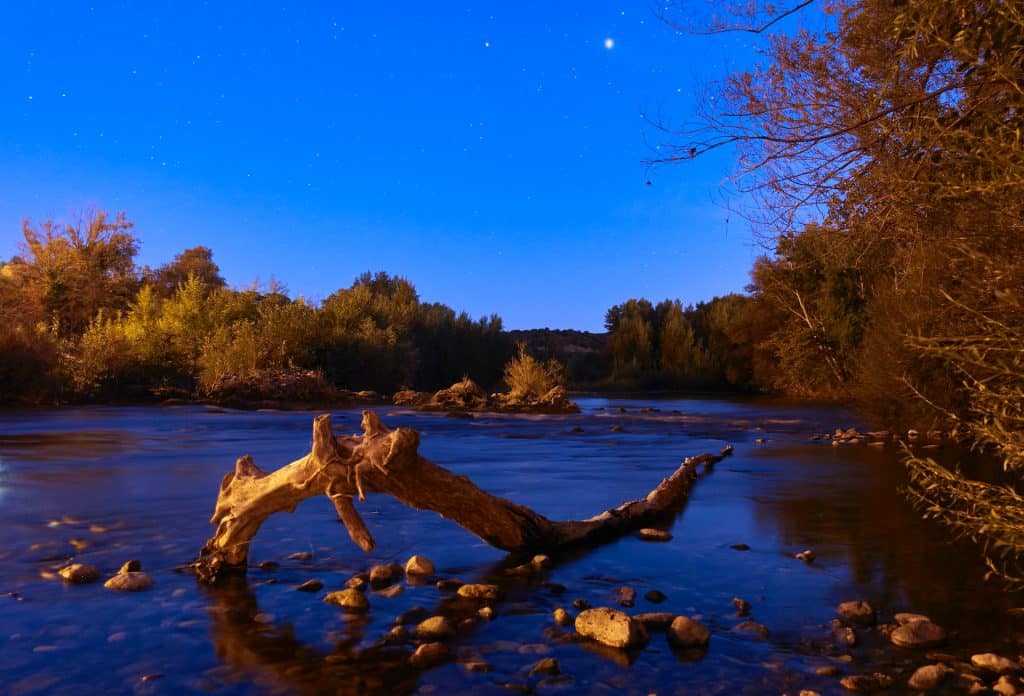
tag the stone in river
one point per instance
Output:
(310, 586)
(562, 617)
(479, 591)
(80, 573)
(548, 665)
(132, 566)
(429, 655)
(650, 534)
(435, 628)
(655, 620)
(918, 634)
(349, 600)
(994, 663)
(129, 582)
(857, 613)
(384, 574)
(611, 627)
(419, 565)
(685, 632)
(655, 596)
(928, 677)
(742, 606)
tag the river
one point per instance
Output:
(139, 483)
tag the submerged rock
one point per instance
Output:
(858, 613)
(548, 665)
(562, 617)
(80, 573)
(480, 591)
(742, 606)
(611, 627)
(752, 627)
(413, 615)
(312, 585)
(349, 600)
(655, 596)
(625, 595)
(866, 683)
(429, 655)
(685, 632)
(655, 620)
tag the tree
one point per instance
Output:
(885, 159)
(74, 271)
(196, 261)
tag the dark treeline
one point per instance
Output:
(79, 320)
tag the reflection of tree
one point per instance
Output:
(905, 563)
(272, 656)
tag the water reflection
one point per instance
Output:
(269, 654)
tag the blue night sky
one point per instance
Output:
(492, 153)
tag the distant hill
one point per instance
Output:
(582, 352)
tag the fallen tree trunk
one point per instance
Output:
(385, 460)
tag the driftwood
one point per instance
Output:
(385, 460)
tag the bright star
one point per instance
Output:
(609, 43)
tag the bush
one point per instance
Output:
(527, 377)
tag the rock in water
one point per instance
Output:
(548, 665)
(918, 634)
(349, 600)
(80, 573)
(685, 632)
(655, 596)
(650, 534)
(656, 620)
(435, 628)
(928, 677)
(857, 613)
(429, 655)
(383, 575)
(562, 617)
(310, 586)
(129, 582)
(994, 663)
(132, 566)
(479, 591)
(611, 627)
(419, 565)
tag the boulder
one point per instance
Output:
(384, 574)
(857, 613)
(611, 627)
(918, 634)
(928, 677)
(655, 620)
(435, 628)
(994, 663)
(685, 632)
(419, 565)
(655, 596)
(350, 600)
(134, 581)
(429, 655)
(132, 566)
(562, 617)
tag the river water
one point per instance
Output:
(139, 483)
